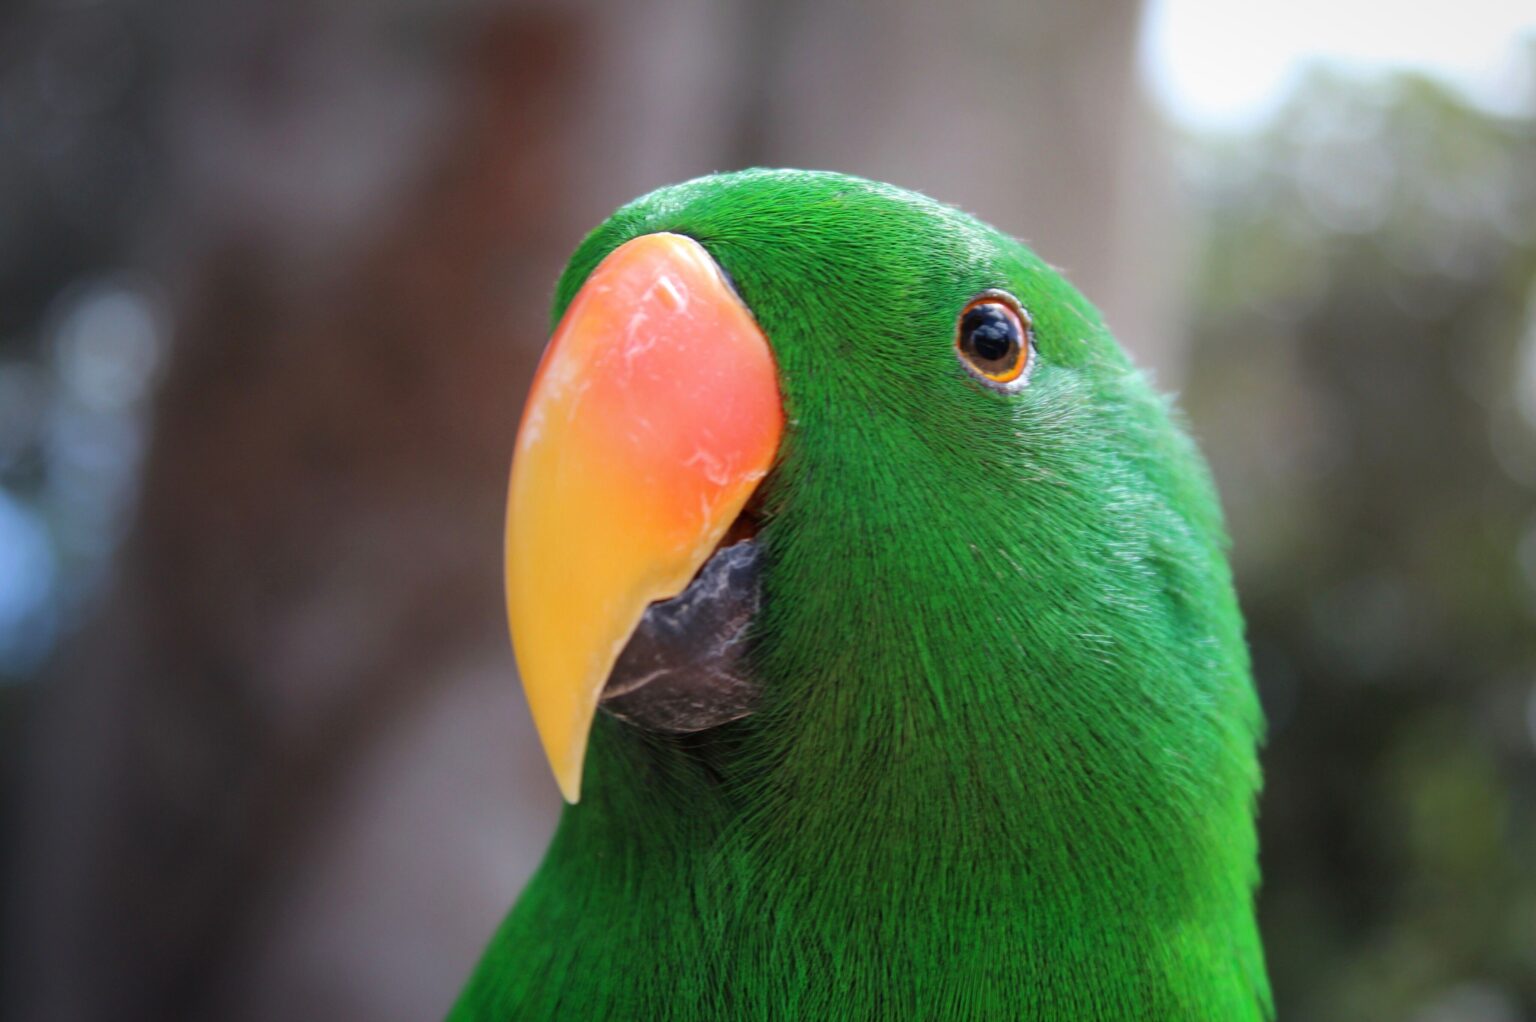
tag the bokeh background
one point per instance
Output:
(273, 276)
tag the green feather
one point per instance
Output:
(1005, 762)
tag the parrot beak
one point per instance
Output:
(652, 418)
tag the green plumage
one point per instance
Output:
(1005, 762)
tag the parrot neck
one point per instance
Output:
(930, 893)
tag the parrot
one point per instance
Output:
(875, 617)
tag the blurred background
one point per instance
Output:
(273, 276)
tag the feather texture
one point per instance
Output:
(1005, 764)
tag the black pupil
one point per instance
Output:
(989, 332)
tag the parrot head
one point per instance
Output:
(845, 542)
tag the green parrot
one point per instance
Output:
(875, 617)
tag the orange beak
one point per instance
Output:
(654, 415)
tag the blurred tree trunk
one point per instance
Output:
(287, 773)
(1027, 115)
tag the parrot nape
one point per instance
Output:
(906, 602)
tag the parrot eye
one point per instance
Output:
(994, 339)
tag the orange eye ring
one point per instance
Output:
(994, 338)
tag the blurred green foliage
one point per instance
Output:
(1364, 382)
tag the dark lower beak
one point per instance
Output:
(685, 667)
